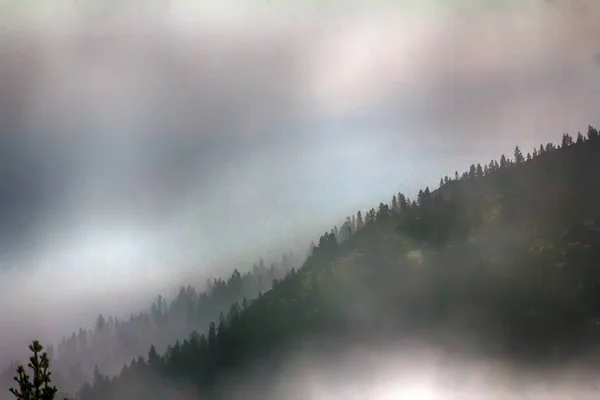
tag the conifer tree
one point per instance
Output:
(472, 172)
(359, 220)
(592, 133)
(567, 140)
(479, 171)
(518, 156)
(503, 162)
(402, 201)
(39, 387)
(420, 197)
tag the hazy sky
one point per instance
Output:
(137, 147)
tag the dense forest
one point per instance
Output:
(506, 253)
(111, 343)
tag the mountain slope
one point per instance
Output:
(504, 258)
(113, 342)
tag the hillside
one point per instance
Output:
(504, 257)
(113, 342)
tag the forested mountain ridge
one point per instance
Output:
(506, 254)
(113, 342)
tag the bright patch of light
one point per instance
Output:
(411, 391)
(353, 65)
(100, 262)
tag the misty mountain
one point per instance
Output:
(114, 342)
(500, 260)
(139, 150)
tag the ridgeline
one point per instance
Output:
(505, 254)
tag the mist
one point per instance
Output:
(405, 370)
(144, 150)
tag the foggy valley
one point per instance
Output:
(243, 200)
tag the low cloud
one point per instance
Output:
(136, 149)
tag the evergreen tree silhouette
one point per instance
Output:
(503, 161)
(38, 388)
(472, 172)
(518, 156)
(592, 133)
(479, 172)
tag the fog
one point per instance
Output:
(393, 370)
(142, 150)
(409, 370)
